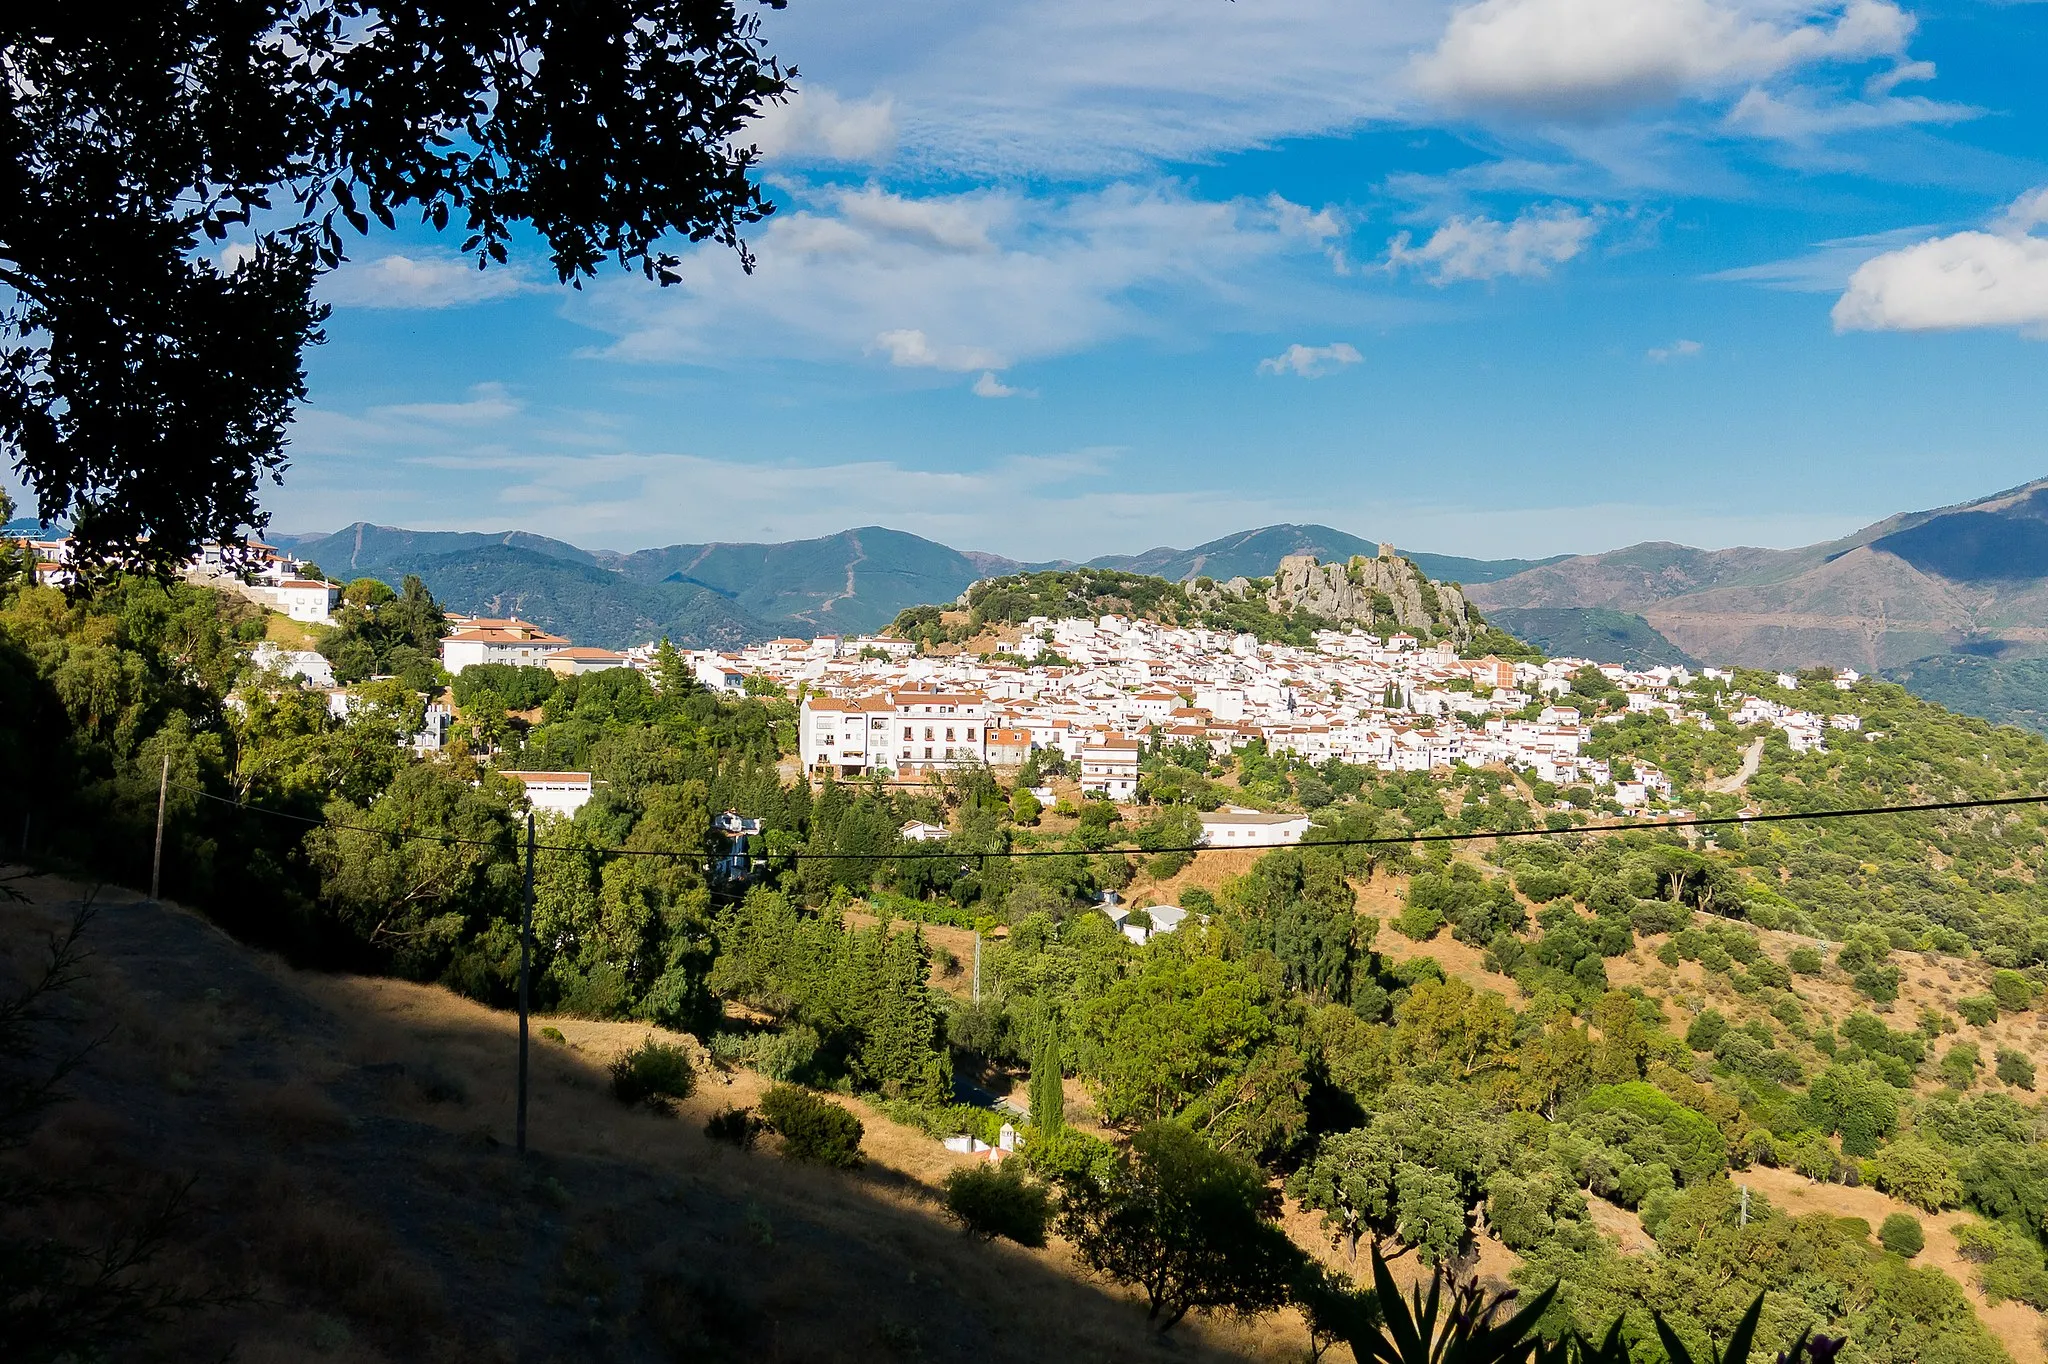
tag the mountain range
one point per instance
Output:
(727, 594)
(1953, 602)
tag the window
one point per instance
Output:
(927, 735)
(970, 734)
(949, 733)
(906, 733)
(927, 751)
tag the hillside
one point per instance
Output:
(354, 1192)
(1257, 554)
(1593, 632)
(1971, 579)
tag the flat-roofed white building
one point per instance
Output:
(579, 659)
(300, 598)
(564, 793)
(1109, 764)
(1232, 828)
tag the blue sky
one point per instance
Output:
(1060, 278)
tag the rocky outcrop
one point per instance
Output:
(1382, 594)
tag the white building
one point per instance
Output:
(483, 640)
(303, 664)
(1151, 920)
(562, 792)
(1109, 764)
(579, 659)
(1234, 828)
(901, 731)
(301, 599)
(917, 831)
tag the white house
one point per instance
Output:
(562, 792)
(1109, 764)
(481, 640)
(301, 599)
(1150, 920)
(917, 831)
(304, 664)
(1235, 828)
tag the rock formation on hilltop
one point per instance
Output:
(1383, 594)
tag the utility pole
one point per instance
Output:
(156, 862)
(1745, 1205)
(525, 953)
(977, 966)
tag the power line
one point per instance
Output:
(1379, 840)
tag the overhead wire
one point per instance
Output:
(1376, 840)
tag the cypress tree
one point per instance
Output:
(1048, 1099)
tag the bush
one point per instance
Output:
(734, 1126)
(1960, 1064)
(996, 1200)
(2013, 991)
(813, 1129)
(2014, 1068)
(1418, 923)
(1978, 1009)
(1977, 1242)
(1806, 961)
(653, 1072)
(553, 1034)
(1707, 1030)
(1901, 1235)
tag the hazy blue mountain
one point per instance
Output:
(854, 581)
(366, 551)
(590, 605)
(1257, 554)
(1591, 632)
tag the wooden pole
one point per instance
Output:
(977, 966)
(525, 953)
(156, 862)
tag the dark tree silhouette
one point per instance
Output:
(148, 369)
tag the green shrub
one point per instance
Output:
(1707, 1030)
(653, 1071)
(553, 1034)
(996, 1200)
(734, 1126)
(1960, 1065)
(813, 1129)
(2014, 1068)
(2013, 991)
(1978, 1242)
(1806, 961)
(1901, 1235)
(1978, 1009)
(1668, 954)
(1418, 922)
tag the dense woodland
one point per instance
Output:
(1286, 1041)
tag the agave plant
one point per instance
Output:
(1458, 1327)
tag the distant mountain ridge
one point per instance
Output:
(725, 594)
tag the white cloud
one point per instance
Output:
(1992, 278)
(1677, 350)
(424, 280)
(1593, 58)
(988, 386)
(1884, 82)
(980, 280)
(1802, 117)
(1826, 267)
(1484, 248)
(1311, 362)
(817, 125)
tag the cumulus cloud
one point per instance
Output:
(1992, 278)
(1677, 350)
(1311, 362)
(1477, 248)
(1594, 58)
(421, 280)
(988, 386)
(975, 281)
(817, 125)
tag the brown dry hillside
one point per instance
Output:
(348, 1146)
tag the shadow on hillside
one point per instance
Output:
(349, 1140)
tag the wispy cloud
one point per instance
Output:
(1482, 248)
(816, 125)
(988, 386)
(1311, 362)
(420, 280)
(1677, 350)
(976, 281)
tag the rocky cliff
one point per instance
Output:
(1382, 594)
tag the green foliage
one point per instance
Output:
(813, 1129)
(2014, 1068)
(1696, 1147)
(653, 1071)
(734, 1126)
(2013, 991)
(1186, 1224)
(1918, 1173)
(1961, 1064)
(378, 631)
(1806, 961)
(1979, 1010)
(503, 685)
(997, 1200)
(1901, 1235)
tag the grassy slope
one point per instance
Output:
(349, 1144)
